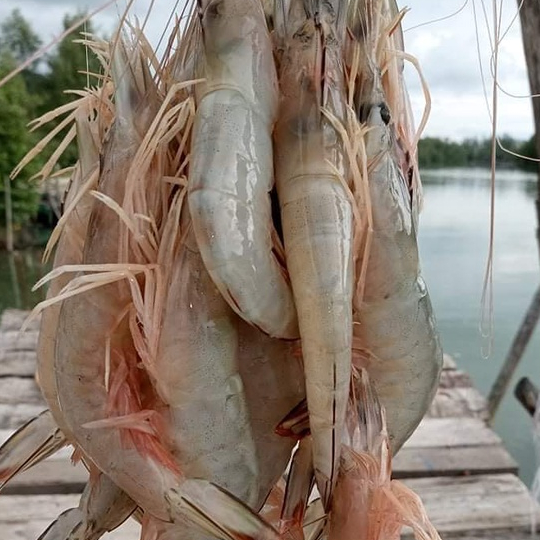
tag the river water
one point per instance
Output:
(454, 236)
(454, 233)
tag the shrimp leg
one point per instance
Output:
(103, 507)
(367, 504)
(231, 165)
(317, 224)
(36, 440)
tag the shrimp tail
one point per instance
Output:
(217, 512)
(299, 484)
(67, 526)
(33, 442)
(296, 423)
(103, 507)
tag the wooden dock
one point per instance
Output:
(454, 462)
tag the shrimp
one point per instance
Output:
(316, 213)
(103, 507)
(69, 251)
(197, 375)
(395, 336)
(110, 403)
(230, 378)
(367, 504)
(231, 165)
(31, 443)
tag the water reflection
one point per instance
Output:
(18, 273)
(454, 237)
(480, 178)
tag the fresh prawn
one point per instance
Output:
(316, 213)
(230, 378)
(198, 377)
(109, 403)
(36, 440)
(367, 504)
(395, 336)
(231, 171)
(103, 507)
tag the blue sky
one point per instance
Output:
(446, 51)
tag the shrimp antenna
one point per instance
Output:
(440, 19)
(43, 50)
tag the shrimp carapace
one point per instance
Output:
(317, 218)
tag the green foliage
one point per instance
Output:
(20, 42)
(38, 89)
(434, 152)
(15, 141)
(17, 37)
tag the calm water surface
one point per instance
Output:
(454, 233)
(454, 230)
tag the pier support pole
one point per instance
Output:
(521, 340)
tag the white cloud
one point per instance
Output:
(448, 54)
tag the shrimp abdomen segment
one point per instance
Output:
(231, 177)
(198, 377)
(317, 224)
(231, 169)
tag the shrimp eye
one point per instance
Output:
(215, 9)
(385, 113)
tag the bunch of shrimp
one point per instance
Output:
(185, 322)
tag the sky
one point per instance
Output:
(446, 50)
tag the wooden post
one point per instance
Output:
(527, 394)
(529, 15)
(521, 340)
(9, 214)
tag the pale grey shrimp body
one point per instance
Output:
(231, 169)
(317, 216)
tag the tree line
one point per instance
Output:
(36, 90)
(434, 152)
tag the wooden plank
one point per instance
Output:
(453, 461)
(463, 505)
(17, 363)
(12, 319)
(25, 517)
(458, 402)
(455, 378)
(13, 416)
(13, 340)
(52, 476)
(448, 362)
(451, 432)
(15, 390)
